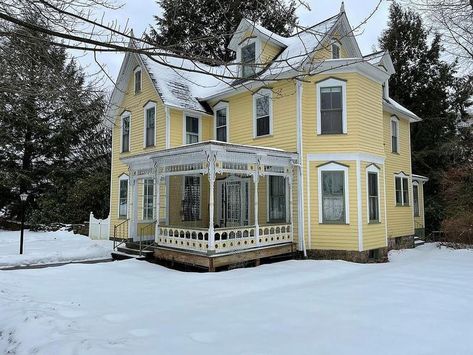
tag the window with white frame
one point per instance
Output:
(394, 134)
(373, 196)
(331, 106)
(148, 199)
(137, 80)
(402, 190)
(221, 122)
(123, 197)
(333, 193)
(125, 132)
(262, 110)
(415, 192)
(248, 60)
(150, 124)
(191, 199)
(192, 129)
(335, 51)
(277, 198)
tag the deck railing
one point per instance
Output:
(226, 239)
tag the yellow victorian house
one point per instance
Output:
(303, 152)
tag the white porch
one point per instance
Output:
(226, 217)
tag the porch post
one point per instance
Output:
(134, 212)
(255, 183)
(157, 184)
(211, 175)
(291, 205)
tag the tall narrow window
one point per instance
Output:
(123, 198)
(192, 129)
(248, 60)
(331, 110)
(335, 51)
(415, 192)
(405, 191)
(150, 126)
(395, 135)
(277, 198)
(373, 197)
(191, 200)
(262, 102)
(125, 133)
(221, 124)
(137, 80)
(148, 196)
(333, 197)
(402, 191)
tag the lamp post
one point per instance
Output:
(23, 198)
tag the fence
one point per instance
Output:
(99, 228)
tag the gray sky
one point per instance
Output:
(138, 14)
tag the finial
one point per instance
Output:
(342, 7)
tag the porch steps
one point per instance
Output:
(124, 252)
(418, 242)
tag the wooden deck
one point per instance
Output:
(212, 262)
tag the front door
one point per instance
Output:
(232, 204)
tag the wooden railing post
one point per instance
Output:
(255, 183)
(211, 175)
(158, 207)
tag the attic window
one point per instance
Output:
(248, 60)
(335, 51)
(137, 80)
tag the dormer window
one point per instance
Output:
(335, 51)
(248, 60)
(137, 80)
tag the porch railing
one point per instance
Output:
(145, 231)
(226, 239)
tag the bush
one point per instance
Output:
(458, 231)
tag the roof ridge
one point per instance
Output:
(317, 24)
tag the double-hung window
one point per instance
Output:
(150, 124)
(125, 133)
(415, 192)
(191, 199)
(394, 134)
(192, 129)
(137, 80)
(277, 198)
(221, 123)
(123, 197)
(402, 191)
(333, 197)
(373, 197)
(248, 60)
(262, 102)
(331, 110)
(148, 199)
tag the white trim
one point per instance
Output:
(372, 158)
(372, 169)
(150, 104)
(394, 118)
(332, 82)
(359, 205)
(137, 69)
(120, 179)
(168, 127)
(218, 107)
(385, 207)
(269, 93)
(300, 175)
(184, 125)
(334, 167)
(122, 116)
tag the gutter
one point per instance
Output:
(300, 177)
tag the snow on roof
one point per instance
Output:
(395, 107)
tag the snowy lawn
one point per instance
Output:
(49, 247)
(419, 303)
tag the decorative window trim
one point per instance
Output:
(263, 92)
(122, 116)
(336, 44)
(334, 166)
(150, 104)
(137, 69)
(217, 107)
(184, 124)
(402, 175)
(123, 177)
(245, 42)
(394, 118)
(372, 168)
(183, 192)
(331, 82)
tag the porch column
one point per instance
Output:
(134, 208)
(157, 184)
(290, 218)
(255, 183)
(211, 175)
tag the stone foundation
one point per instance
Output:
(404, 242)
(379, 255)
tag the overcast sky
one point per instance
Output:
(138, 14)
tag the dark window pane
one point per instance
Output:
(333, 200)
(335, 51)
(221, 117)
(405, 190)
(138, 81)
(277, 198)
(325, 102)
(122, 209)
(192, 124)
(373, 196)
(262, 126)
(337, 98)
(415, 191)
(150, 122)
(191, 202)
(222, 134)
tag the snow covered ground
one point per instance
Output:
(419, 303)
(49, 247)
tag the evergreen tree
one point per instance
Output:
(48, 117)
(204, 27)
(424, 83)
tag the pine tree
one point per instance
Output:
(424, 83)
(48, 116)
(204, 27)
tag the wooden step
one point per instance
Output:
(134, 252)
(118, 255)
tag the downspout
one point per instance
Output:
(300, 175)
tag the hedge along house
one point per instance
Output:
(214, 171)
